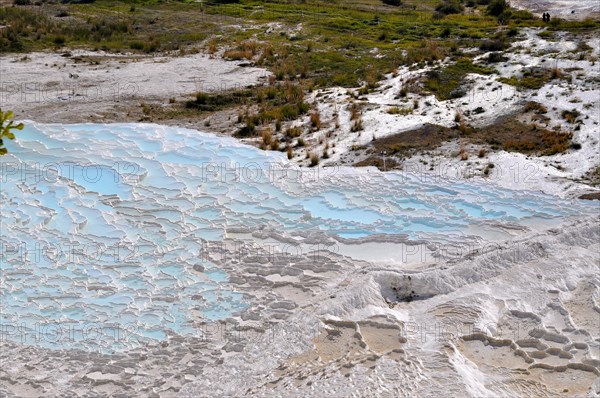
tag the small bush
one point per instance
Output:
(267, 137)
(392, 2)
(450, 7)
(521, 15)
(556, 73)
(151, 47)
(237, 55)
(59, 40)
(497, 7)
(293, 132)
(570, 116)
(498, 44)
(275, 145)
(354, 111)
(535, 107)
(247, 130)
(315, 120)
(445, 33)
(400, 111)
(357, 125)
(314, 159)
(136, 45)
(495, 57)
(458, 117)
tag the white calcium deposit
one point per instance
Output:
(147, 260)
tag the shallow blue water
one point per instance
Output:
(103, 224)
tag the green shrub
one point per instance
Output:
(495, 57)
(248, 130)
(59, 40)
(522, 15)
(450, 7)
(497, 44)
(6, 125)
(136, 45)
(497, 7)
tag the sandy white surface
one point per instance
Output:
(52, 88)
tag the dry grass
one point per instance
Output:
(535, 107)
(571, 116)
(245, 50)
(458, 117)
(267, 137)
(314, 159)
(211, 46)
(399, 111)
(463, 154)
(546, 142)
(556, 73)
(293, 132)
(315, 120)
(275, 144)
(237, 55)
(357, 125)
(354, 111)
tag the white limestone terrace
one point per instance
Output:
(157, 231)
(496, 99)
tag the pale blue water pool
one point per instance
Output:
(102, 225)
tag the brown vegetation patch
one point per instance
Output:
(506, 133)
(591, 196)
(512, 135)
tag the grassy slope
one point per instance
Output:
(309, 44)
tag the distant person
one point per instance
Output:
(546, 17)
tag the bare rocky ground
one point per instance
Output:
(96, 87)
